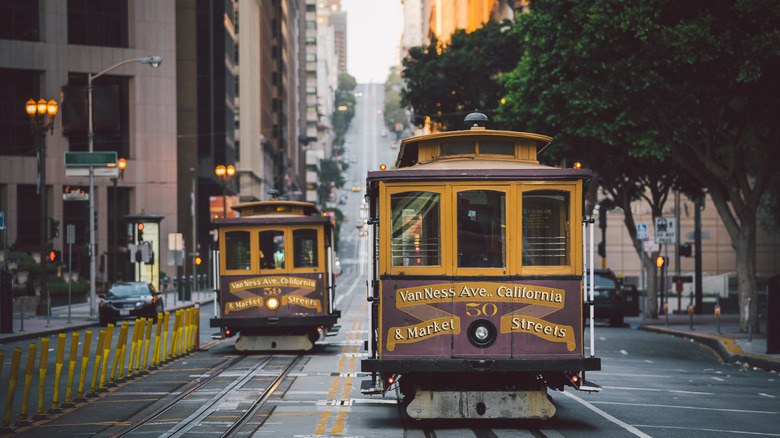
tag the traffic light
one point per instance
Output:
(686, 250)
(198, 261)
(602, 217)
(54, 228)
(54, 256)
(602, 249)
(660, 261)
(140, 233)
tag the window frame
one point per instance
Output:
(287, 233)
(448, 232)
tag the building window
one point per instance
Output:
(97, 23)
(16, 88)
(110, 114)
(19, 20)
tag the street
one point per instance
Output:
(654, 385)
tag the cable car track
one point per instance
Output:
(207, 407)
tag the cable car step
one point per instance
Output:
(368, 387)
(589, 386)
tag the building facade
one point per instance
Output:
(47, 50)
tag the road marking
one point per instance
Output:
(620, 423)
(624, 352)
(719, 431)
(696, 408)
(718, 379)
(766, 395)
(675, 391)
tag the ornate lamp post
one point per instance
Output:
(225, 176)
(154, 61)
(42, 114)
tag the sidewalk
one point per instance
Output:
(37, 326)
(732, 345)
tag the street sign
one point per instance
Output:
(651, 245)
(111, 172)
(665, 229)
(2, 220)
(90, 159)
(641, 231)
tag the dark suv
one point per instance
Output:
(608, 298)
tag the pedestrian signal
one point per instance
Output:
(54, 256)
(660, 261)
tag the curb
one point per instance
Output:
(727, 348)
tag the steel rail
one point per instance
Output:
(236, 427)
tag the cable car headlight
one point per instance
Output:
(272, 303)
(482, 333)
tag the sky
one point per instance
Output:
(373, 33)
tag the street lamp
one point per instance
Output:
(154, 61)
(121, 164)
(225, 175)
(42, 114)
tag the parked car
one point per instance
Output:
(130, 300)
(608, 298)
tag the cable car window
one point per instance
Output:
(415, 221)
(237, 251)
(481, 223)
(305, 248)
(497, 147)
(545, 228)
(272, 249)
(458, 148)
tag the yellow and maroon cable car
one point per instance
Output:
(478, 282)
(276, 282)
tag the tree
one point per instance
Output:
(447, 81)
(344, 109)
(702, 74)
(551, 91)
(394, 113)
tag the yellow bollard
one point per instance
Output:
(84, 362)
(74, 352)
(58, 373)
(139, 345)
(98, 363)
(185, 330)
(28, 376)
(157, 334)
(133, 343)
(196, 335)
(179, 331)
(123, 350)
(147, 342)
(9, 400)
(172, 348)
(164, 352)
(43, 367)
(106, 351)
(117, 351)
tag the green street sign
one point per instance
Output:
(90, 159)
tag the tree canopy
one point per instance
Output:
(658, 79)
(447, 81)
